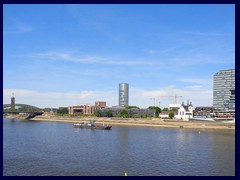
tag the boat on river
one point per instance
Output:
(201, 118)
(224, 117)
(92, 125)
(218, 118)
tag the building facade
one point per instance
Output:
(140, 112)
(185, 112)
(81, 109)
(100, 104)
(224, 91)
(203, 111)
(164, 115)
(231, 104)
(123, 94)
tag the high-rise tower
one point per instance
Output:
(224, 90)
(123, 94)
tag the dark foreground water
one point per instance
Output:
(58, 149)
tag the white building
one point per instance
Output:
(175, 106)
(164, 115)
(185, 112)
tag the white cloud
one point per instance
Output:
(186, 60)
(89, 59)
(57, 99)
(202, 81)
(149, 51)
(195, 88)
(144, 98)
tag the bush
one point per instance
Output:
(62, 112)
(109, 113)
(124, 113)
(157, 110)
(136, 116)
(98, 113)
(171, 115)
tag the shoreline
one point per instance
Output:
(154, 122)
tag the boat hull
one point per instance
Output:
(85, 126)
(201, 119)
(224, 119)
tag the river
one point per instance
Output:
(37, 148)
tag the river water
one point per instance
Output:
(37, 148)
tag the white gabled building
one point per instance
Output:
(185, 112)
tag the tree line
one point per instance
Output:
(123, 113)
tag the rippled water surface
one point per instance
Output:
(58, 149)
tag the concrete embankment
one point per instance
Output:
(154, 122)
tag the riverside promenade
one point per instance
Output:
(144, 122)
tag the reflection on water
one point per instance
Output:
(53, 148)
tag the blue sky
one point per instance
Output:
(62, 55)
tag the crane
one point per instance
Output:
(154, 98)
(175, 97)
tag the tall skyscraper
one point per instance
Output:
(123, 94)
(224, 90)
(231, 104)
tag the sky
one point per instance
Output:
(64, 55)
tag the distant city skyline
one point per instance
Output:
(63, 55)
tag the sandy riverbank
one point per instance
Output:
(141, 122)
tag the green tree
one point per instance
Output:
(174, 109)
(157, 112)
(109, 113)
(165, 109)
(98, 113)
(131, 107)
(144, 116)
(124, 113)
(46, 109)
(136, 116)
(171, 115)
(62, 112)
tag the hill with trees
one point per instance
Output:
(21, 107)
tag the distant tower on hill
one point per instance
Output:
(12, 102)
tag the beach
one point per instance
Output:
(144, 122)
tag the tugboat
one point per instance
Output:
(92, 126)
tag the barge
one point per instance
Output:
(92, 125)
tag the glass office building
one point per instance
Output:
(224, 91)
(123, 94)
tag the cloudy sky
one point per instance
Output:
(62, 55)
